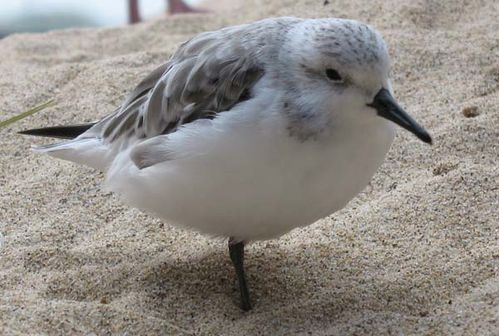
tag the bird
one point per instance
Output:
(249, 131)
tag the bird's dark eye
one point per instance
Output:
(333, 75)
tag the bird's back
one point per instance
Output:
(207, 75)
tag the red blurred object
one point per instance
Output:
(174, 7)
(179, 6)
(133, 11)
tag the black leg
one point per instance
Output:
(236, 251)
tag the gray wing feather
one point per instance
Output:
(117, 123)
(147, 83)
(207, 75)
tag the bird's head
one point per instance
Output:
(341, 68)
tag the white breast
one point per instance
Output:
(239, 178)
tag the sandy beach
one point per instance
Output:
(416, 253)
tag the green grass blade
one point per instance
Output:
(29, 112)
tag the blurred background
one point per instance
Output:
(17, 16)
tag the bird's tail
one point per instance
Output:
(86, 150)
(61, 132)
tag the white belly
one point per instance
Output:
(236, 182)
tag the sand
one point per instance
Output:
(417, 253)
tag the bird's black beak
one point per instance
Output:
(387, 107)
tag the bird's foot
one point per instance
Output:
(236, 252)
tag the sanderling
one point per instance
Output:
(250, 131)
